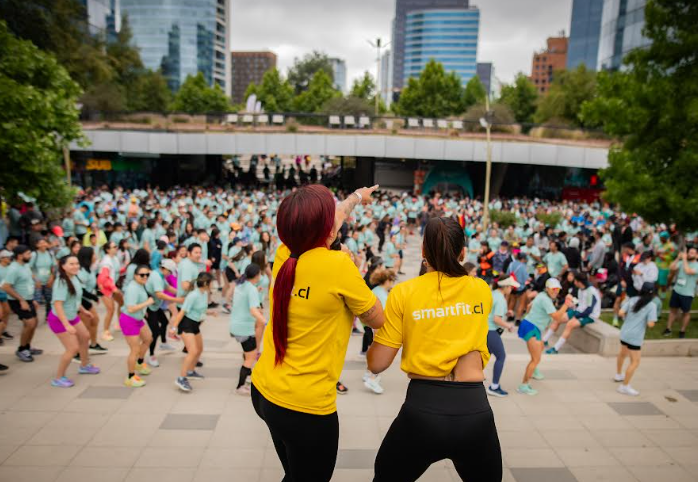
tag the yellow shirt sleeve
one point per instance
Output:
(390, 333)
(352, 287)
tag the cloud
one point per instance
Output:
(510, 30)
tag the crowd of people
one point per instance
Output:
(160, 261)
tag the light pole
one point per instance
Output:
(486, 122)
(378, 44)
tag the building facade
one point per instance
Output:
(621, 31)
(248, 68)
(585, 30)
(103, 17)
(339, 74)
(547, 61)
(444, 30)
(183, 37)
(485, 72)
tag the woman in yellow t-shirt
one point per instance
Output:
(313, 301)
(440, 321)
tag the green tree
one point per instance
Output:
(195, 96)
(39, 117)
(434, 94)
(275, 93)
(149, 93)
(349, 105)
(364, 88)
(563, 102)
(303, 70)
(520, 97)
(320, 90)
(652, 107)
(474, 92)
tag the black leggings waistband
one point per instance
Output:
(447, 398)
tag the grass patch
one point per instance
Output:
(659, 327)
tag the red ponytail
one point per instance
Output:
(304, 221)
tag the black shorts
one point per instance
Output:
(23, 314)
(187, 325)
(87, 304)
(248, 343)
(230, 274)
(631, 347)
(678, 301)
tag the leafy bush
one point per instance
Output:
(550, 219)
(292, 125)
(503, 218)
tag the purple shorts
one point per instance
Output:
(130, 326)
(56, 324)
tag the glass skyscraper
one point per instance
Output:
(585, 28)
(182, 37)
(443, 30)
(621, 31)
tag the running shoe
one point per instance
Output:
(134, 382)
(526, 389)
(226, 309)
(497, 392)
(341, 389)
(173, 336)
(183, 384)
(682, 334)
(89, 369)
(167, 347)
(36, 351)
(551, 351)
(152, 361)
(628, 390)
(667, 332)
(199, 364)
(63, 382)
(545, 343)
(213, 304)
(25, 356)
(7, 335)
(537, 375)
(196, 375)
(76, 359)
(244, 390)
(97, 348)
(3, 367)
(374, 384)
(143, 369)
(106, 336)
(366, 376)
(618, 377)
(362, 355)
(355, 331)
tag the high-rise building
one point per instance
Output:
(585, 28)
(183, 37)
(443, 30)
(103, 17)
(485, 72)
(386, 78)
(621, 31)
(339, 74)
(248, 68)
(547, 61)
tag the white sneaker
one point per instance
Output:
(618, 377)
(244, 391)
(167, 347)
(628, 390)
(362, 356)
(153, 362)
(367, 374)
(373, 383)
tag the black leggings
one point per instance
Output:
(442, 420)
(368, 339)
(306, 444)
(157, 321)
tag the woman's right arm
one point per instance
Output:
(374, 316)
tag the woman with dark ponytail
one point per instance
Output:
(439, 320)
(314, 298)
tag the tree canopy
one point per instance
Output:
(320, 90)
(303, 70)
(563, 102)
(433, 94)
(520, 97)
(275, 93)
(364, 87)
(652, 106)
(195, 96)
(39, 117)
(474, 92)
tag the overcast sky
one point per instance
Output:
(510, 30)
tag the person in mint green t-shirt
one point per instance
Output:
(245, 318)
(42, 265)
(187, 323)
(686, 265)
(497, 322)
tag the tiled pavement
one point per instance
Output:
(577, 429)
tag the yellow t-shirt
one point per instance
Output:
(436, 326)
(327, 293)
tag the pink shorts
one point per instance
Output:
(130, 326)
(56, 324)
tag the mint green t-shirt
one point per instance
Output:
(186, 271)
(686, 283)
(499, 308)
(19, 276)
(42, 264)
(134, 294)
(195, 305)
(155, 284)
(541, 309)
(71, 303)
(241, 320)
(555, 262)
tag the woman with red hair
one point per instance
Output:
(314, 298)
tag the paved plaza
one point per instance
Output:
(577, 429)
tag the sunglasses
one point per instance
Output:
(143, 275)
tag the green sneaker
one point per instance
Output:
(537, 375)
(526, 389)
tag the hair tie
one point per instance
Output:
(294, 256)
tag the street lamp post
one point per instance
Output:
(486, 122)
(378, 44)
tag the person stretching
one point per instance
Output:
(497, 322)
